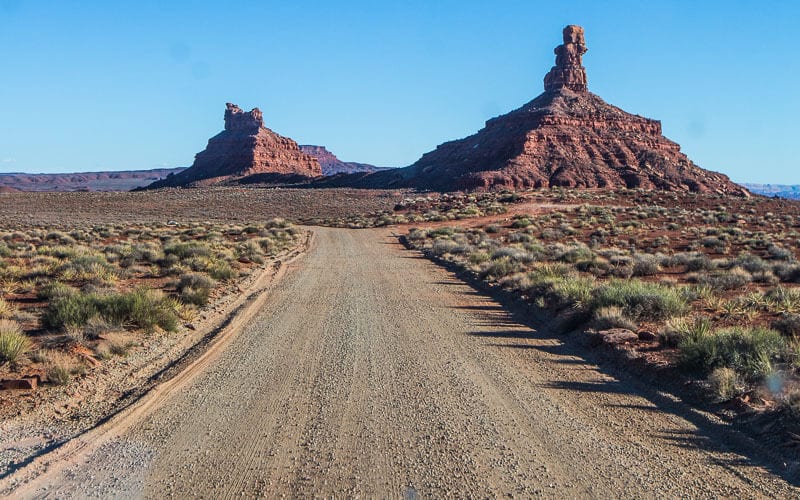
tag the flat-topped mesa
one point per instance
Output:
(238, 119)
(569, 71)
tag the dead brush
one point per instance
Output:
(118, 343)
(60, 368)
(6, 309)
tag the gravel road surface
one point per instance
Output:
(372, 372)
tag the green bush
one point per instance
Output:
(222, 271)
(74, 309)
(142, 308)
(195, 288)
(748, 351)
(186, 250)
(641, 300)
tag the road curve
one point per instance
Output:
(372, 372)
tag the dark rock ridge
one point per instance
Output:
(331, 165)
(565, 137)
(243, 149)
(122, 180)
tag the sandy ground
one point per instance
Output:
(372, 372)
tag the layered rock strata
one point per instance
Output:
(243, 149)
(565, 137)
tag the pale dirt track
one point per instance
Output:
(371, 371)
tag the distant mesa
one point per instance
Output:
(331, 165)
(124, 180)
(565, 137)
(244, 149)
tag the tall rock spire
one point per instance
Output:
(569, 71)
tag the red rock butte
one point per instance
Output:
(245, 148)
(567, 137)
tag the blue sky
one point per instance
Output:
(105, 85)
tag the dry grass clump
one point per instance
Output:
(13, 343)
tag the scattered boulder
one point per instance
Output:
(25, 383)
(647, 336)
(614, 336)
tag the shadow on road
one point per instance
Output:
(712, 435)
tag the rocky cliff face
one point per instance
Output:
(245, 148)
(565, 137)
(331, 165)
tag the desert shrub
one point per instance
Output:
(87, 268)
(612, 317)
(576, 253)
(59, 368)
(142, 308)
(13, 343)
(640, 300)
(96, 327)
(195, 288)
(572, 292)
(118, 344)
(748, 351)
(646, 264)
(752, 263)
(714, 244)
(416, 234)
(54, 290)
(725, 383)
(779, 253)
(444, 246)
(251, 250)
(788, 324)
(521, 223)
(766, 277)
(513, 253)
(277, 223)
(185, 250)
(698, 263)
(441, 232)
(726, 280)
(70, 310)
(519, 238)
(497, 268)
(492, 228)
(788, 273)
(222, 271)
(6, 309)
(478, 257)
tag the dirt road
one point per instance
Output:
(371, 371)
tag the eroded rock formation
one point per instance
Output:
(569, 73)
(565, 137)
(245, 148)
